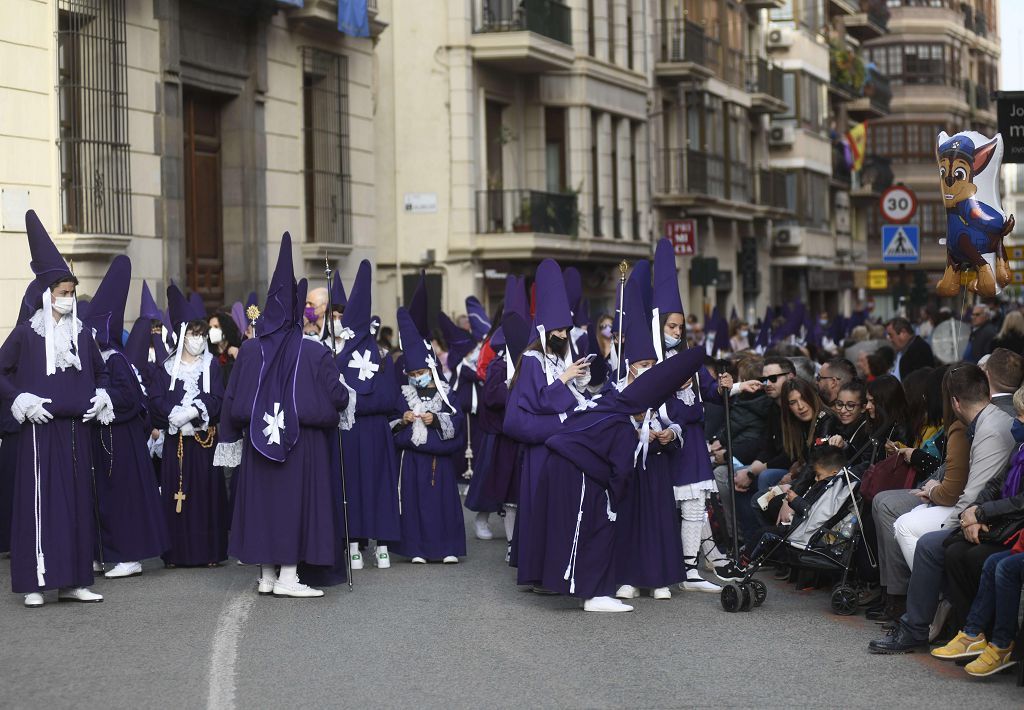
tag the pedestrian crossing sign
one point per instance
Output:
(901, 244)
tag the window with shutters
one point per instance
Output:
(93, 148)
(325, 122)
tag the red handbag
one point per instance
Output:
(890, 474)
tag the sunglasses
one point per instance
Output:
(772, 379)
(819, 378)
(849, 406)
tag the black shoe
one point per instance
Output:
(897, 640)
(782, 572)
(729, 572)
(879, 613)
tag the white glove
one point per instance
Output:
(101, 408)
(27, 406)
(180, 416)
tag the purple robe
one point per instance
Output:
(531, 416)
(501, 477)
(61, 451)
(199, 531)
(484, 427)
(132, 524)
(371, 463)
(432, 525)
(284, 511)
(588, 471)
(465, 393)
(648, 548)
(693, 465)
(9, 429)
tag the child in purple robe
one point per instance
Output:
(547, 387)
(52, 373)
(132, 525)
(282, 413)
(429, 432)
(185, 396)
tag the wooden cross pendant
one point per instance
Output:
(179, 496)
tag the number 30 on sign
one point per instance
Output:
(898, 204)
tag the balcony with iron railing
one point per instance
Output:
(870, 22)
(772, 189)
(980, 24)
(523, 35)
(323, 15)
(533, 211)
(764, 84)
(686, 175)
(681, 50)
(875, 97)
(842, 175)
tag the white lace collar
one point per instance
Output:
(189, 374)
(65, 338)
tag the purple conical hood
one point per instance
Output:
(47, 263)
(639, 341)
(552, 303)
(360, 352)
(338, 297)
(180, 310)
(418, 307)
(197, 303)
(148, 308)
(518, 334)
(136, 349)
(764, 335)
(515, 298)
(106, 310)
(414, 349)
(252, 299)
(666, 283)
(281, 299)
(460, 343)
(479, 321)
(574, 292)
(238, 316)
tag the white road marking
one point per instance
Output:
(224, 653)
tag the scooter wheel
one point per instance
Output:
(731, 597)
(759, 590)
(747, 602)
(844, 601)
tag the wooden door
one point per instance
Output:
(204, 251)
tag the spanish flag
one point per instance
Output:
(857, 139)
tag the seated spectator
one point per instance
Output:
(806, 423)
(854, 430)
(954, 560)
(1005, 372)
(1011, 335)
(879, 362)
(832, 376)
(887, 411)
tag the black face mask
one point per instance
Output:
(558, 344)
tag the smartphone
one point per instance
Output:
(590, 358)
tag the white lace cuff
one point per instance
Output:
(156, 448)
(105, 413)
(202, 413)
(678, 431)
(228, 455)
(447, 428)
(347, 417)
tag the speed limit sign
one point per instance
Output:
(898, 204)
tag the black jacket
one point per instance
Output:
(1014, 342)
(917, 355)
(749, 417)
(981, 340)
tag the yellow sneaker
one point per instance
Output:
(992, 660)
(962, 646)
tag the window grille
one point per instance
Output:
(326, 147)
(95, 181)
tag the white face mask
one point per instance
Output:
(216, 335)
(195, 345)
(63, 304)
(337, 327)
(744, 333)
(640, 370)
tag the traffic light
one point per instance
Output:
(746, 260)
(919, 291)
(704, 271)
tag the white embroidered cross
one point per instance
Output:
(346, 334)
(361, 361)
(585, 405)
(275, 425)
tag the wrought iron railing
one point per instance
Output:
(764, 78)
(545, 17)
(772, 189)
(680, 41)
(526, 211)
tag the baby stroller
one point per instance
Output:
(826, 539)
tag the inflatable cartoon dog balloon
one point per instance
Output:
(975, 223)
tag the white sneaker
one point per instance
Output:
(81, 594)
(483, 530)
(33, 600)
(627, 591)
(296, 589)
(124, 569)
(450, 560)
(265, 587)
(605, 604)
(508, 553)
(383, 560)
(357, 560)
(97, 567)
(700, 585)
(661, 593)
(418, 561)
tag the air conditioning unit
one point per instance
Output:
(788, 236)
(841, 210)
(779, 38)
(781, 136)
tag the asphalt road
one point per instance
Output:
(451, 637)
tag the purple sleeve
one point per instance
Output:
(228, 431)
(536, 396)
(10, 354)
